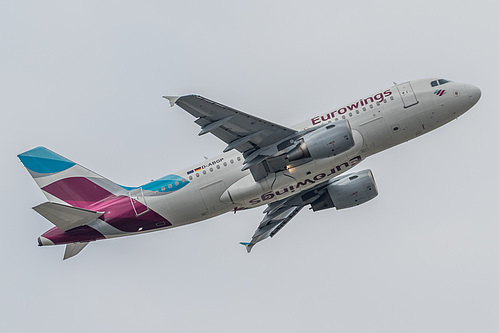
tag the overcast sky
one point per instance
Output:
(85, 78)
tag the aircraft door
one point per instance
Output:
(407, 94)
(138, 201)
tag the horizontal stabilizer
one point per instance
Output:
(73, 249)
(66, 217)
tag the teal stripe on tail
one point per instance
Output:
(42, 160)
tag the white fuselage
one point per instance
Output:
(379, 121)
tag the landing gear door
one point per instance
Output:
(138, 201)
(407, 94)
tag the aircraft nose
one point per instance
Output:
(474, 94)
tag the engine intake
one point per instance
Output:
(324, 142)
(348, 191)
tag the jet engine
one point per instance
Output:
(348, 191)
(326, 141)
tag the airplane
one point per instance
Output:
(264, 163)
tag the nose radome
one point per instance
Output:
(474, 93)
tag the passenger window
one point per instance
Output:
(225, 163)
(357, 111)
(197, 174)
(364, 108)
(218, 166)
(204, 172)
(239, 158)
(231, 161)
(169, 185)
(190, 177)
(211, 169)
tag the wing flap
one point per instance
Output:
(239, 130)
(66, 217)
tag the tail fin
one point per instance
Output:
(64, 181)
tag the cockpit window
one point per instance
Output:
(439, 82)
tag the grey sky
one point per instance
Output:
(85, 79)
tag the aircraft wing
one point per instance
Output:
(258, 139)
(272, 224)
(279, 213)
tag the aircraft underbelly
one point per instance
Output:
(248, 193)
(211, 196)
(180, 207)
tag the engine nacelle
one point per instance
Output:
(348, 191)
(327, 141)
